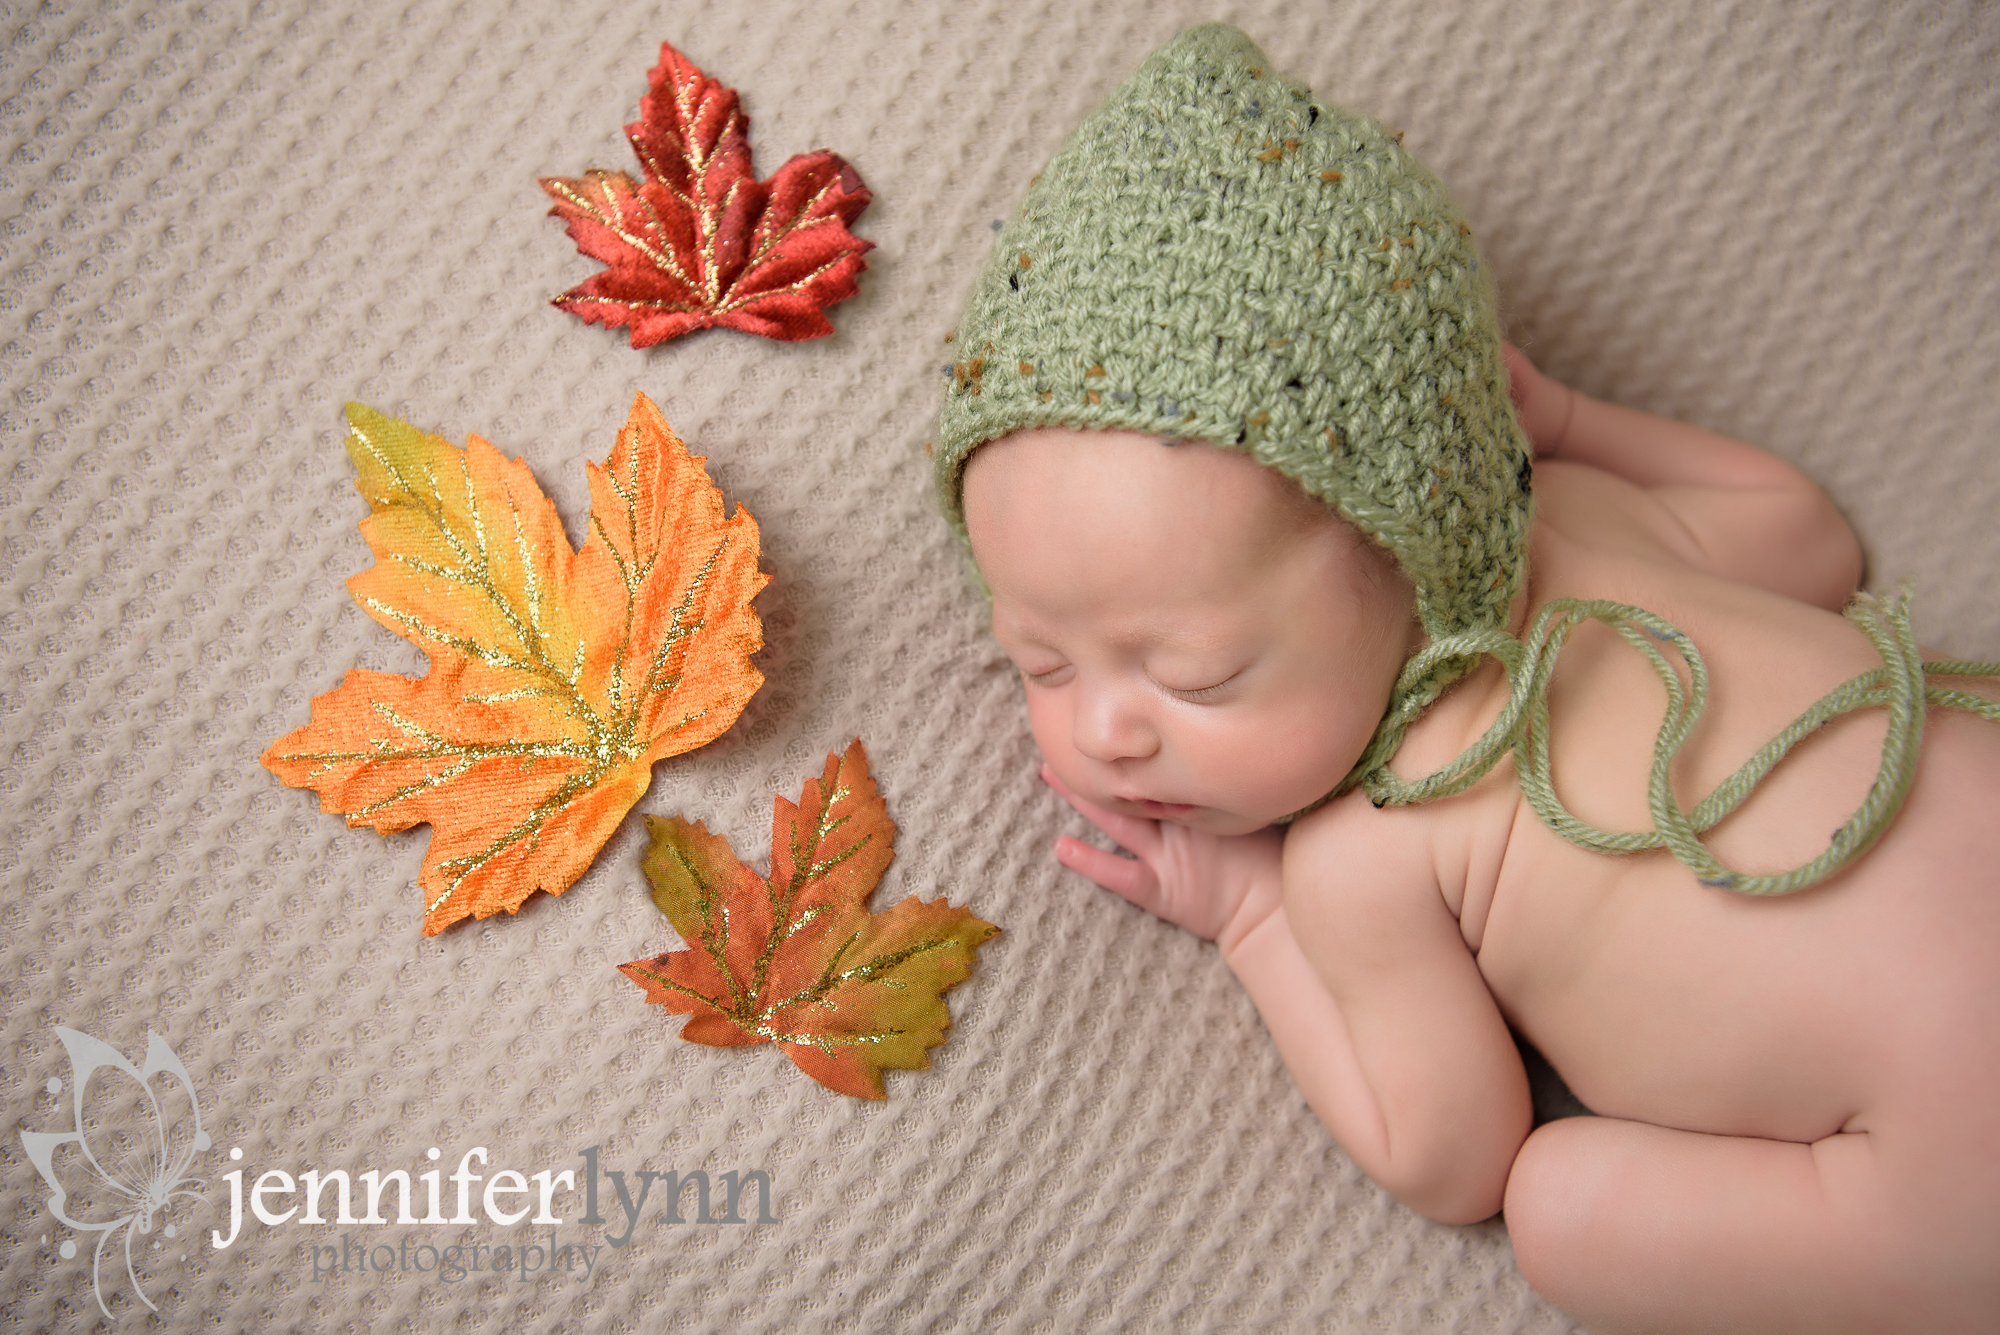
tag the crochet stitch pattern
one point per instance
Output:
(1217, 255)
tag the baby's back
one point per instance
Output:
(1869, 999)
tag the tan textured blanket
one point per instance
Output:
(221, 220)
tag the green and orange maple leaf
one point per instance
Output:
(796, 958)
(557, 676)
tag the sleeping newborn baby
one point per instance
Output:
(1434, 741)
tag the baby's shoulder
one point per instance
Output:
(1589, 512)
(1787, 540)
(1588, 507)
(1448, 851)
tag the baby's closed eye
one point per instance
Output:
(1039, 675)
(1216, 691)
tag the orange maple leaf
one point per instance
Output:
(797, 959)
(557, 676)
(701, 241)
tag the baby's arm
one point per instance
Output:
(1362, 895)
(1440, 1107)
(1741, 512)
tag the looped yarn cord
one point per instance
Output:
(1900, 685)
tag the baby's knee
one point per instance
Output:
(1556, 1197)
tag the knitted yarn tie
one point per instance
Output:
(1901, 685)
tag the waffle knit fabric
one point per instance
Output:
(1218, 255)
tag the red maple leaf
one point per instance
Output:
(701, 241)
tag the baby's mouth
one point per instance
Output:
(1164, 810)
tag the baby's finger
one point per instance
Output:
(1520, 373)
(1125, 877)
(1140, 835)
(1543, 405)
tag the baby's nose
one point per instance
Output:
(1107, 728)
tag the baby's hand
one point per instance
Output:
(1544, 406)
(1217, 886)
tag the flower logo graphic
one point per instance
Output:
(119, 1179)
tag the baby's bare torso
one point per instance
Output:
(1868, 1003)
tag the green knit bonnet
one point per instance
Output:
(1217, 255)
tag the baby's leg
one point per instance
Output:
(1631, 1227)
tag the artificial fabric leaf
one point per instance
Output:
(797, 959)
(701, 241)
(557, 677)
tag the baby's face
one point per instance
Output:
(1200, 642)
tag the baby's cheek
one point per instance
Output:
(1049, 722)
(1287, 762)
(1050, 725)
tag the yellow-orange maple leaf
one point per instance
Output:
(557, 676)
(797, 959)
